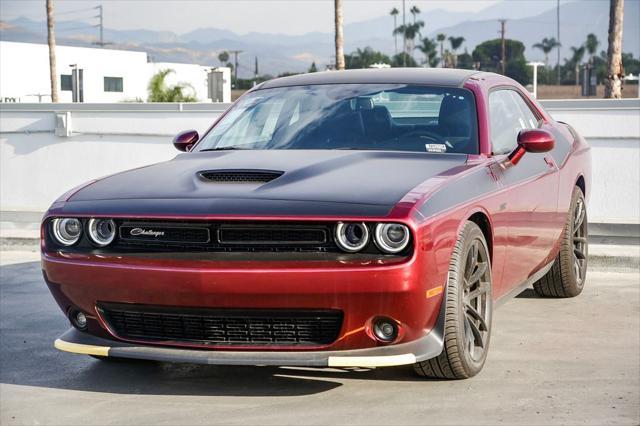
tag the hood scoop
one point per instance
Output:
(240, 176)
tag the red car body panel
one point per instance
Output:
(525, 215)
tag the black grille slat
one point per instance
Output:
(223, 326)
(240, 176)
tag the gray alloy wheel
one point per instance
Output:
(567, 276)
(468, 313)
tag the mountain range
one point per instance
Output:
(527, 21)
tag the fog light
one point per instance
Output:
(385, 330)
(78, 320)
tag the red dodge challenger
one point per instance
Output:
(357, 218)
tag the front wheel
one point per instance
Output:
(468, 310)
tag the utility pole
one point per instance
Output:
(100, 25)
(255, 72)
(51, 39)
(404, 36)
(558, 37)
(235, 65)
(503, 55)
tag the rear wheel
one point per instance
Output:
(468, 311)
(567, 275)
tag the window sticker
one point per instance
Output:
(436, 147)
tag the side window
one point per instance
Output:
(508, 114)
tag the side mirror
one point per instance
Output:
(184, 141)
(532, 140)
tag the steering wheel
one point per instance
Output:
(422, 136)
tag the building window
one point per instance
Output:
(65, 82)
(113, 84)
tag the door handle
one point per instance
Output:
(550, 162)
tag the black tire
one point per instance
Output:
(567, 276)
(467, 317)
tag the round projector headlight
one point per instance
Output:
(352, 237)
(66, 231)
(392, 237)
(102, 231)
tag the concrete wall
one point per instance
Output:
(37, 166)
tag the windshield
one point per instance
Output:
(395, 117)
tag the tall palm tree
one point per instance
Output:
(576, 57)
(223, 57)
(410, 32)
(456, 42)
(592, 44)
(441, 38)
(414, 11)
(51, 39)
(394, 12)
(429, 49)
(613, 82)
(547, 45)
(339, 35)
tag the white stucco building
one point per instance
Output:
(101, 76)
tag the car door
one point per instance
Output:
(529, 200)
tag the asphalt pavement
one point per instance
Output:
(552, 361)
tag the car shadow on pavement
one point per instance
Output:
(30, 320)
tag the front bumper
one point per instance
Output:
(427, 347)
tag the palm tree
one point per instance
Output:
(394, 12)
(547, 45)
(339, 35)
(160, 92)
(223, 57)
(414, 11)
(592, 45)
(429, 49)
(576, 58)
(441, 38)
(51, 39)
(410, 32)
(615, 73)
(456, 42)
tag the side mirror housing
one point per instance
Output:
(184, 141)
(532, 140)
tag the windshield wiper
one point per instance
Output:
(222, 148)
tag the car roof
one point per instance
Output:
(447, 77)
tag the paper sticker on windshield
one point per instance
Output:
(436, 147)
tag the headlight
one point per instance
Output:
(102, 231)
(392, 237)
(66, 231)
(352, 237)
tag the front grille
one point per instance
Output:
(240, 176)
(150, 235)
(223, 326)
(261, 235)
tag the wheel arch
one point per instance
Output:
(580, 183)
(481, 218)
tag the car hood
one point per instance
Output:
(372, 180)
